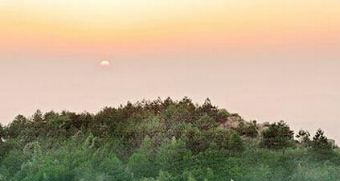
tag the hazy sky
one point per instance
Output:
(267, 60)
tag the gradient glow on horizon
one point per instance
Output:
(148, 25)
(267, 60)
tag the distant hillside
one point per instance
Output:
(161, 140)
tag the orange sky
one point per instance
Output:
(265, 59)
(150, 25)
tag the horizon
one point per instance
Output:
(265, 60)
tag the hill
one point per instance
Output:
(161, 140)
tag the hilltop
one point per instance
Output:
(161, 140)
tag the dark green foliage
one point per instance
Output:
(304, 138)
(248, 129)
(142, 162)
(160, 141)
(277, 136)
(236, 143)
(2, 133)
(173, 156)
(320, 143)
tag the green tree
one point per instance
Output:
(2, 133)
(206, 122)
(173, 157)
(248, 129)
(277, 136)
(320, 143)
(304, 138)
(17, 127)
(142, 162)
(236, 143)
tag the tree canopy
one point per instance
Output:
(160, 140)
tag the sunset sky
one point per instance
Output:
(267, 60)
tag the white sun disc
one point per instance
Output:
(105, 63)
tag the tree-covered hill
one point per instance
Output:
(161, 140)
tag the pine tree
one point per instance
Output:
(320, 142)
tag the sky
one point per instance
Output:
(266, 60)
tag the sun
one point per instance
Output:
(105, 63)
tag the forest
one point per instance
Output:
(162, 140)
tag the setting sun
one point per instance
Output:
(105, 63)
